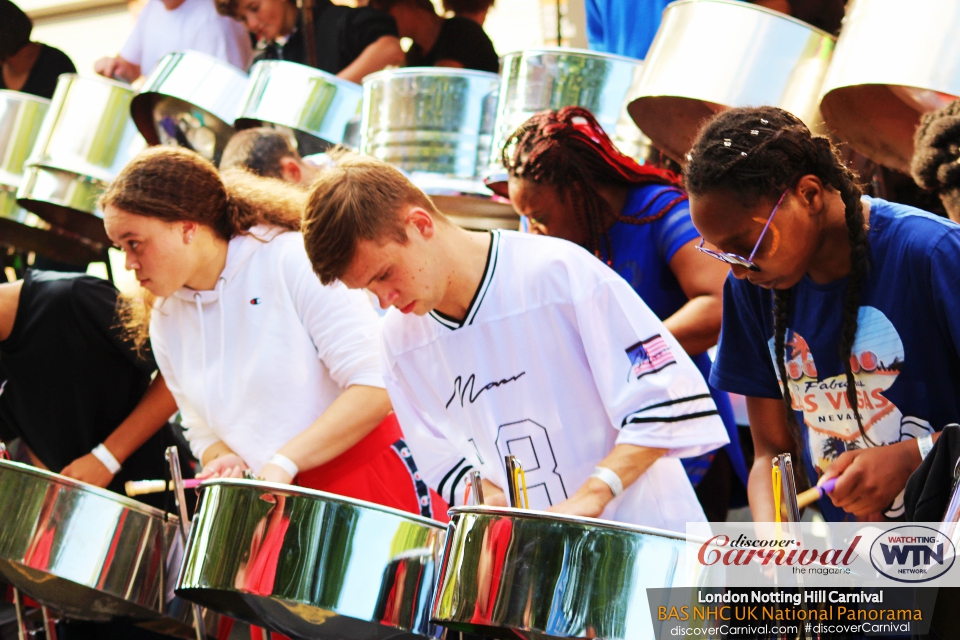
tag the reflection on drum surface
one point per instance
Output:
(84, 551)
(311, 564)
(523, 574)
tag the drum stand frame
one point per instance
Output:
(173, 459)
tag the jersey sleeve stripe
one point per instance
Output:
(449, 473)
(456, 483)
(702, 396)
(631, 419)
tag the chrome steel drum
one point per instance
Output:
(711, 55)
(539, 79)
(529, 574)
(190, 100)
(310, 564)
(86, 138)
(318, 108)
(894, 62)
(21, 116)
(85, 551)
(429, 120)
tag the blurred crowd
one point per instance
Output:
(350, 42)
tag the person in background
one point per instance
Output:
(936, 156)
(475, 10)
(440, 42)
(823, 14)
(30, 67)
(569, 180)
(165, 26)
(98, 396)
(348, 42)
(269, 153)
(623, 27)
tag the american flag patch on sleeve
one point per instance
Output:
(649, 356)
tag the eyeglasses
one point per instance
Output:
(737, 260)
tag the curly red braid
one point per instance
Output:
(568, 147)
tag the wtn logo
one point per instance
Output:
(912, 554)
(922, 554)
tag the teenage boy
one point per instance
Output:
(503, 343)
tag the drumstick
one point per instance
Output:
(143, 487)
(811, 495)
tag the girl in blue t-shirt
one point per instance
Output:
(569, 181)
(841, 321)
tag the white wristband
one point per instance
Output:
(925, 444)
(103, 455)
(609, 477)
(285, 463)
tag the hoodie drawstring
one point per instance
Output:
(203, 360)
(223, 333)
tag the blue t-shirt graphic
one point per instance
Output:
(641, 255)
(905, 359)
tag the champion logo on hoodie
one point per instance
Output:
(255, 301)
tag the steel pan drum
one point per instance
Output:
(190, 100)
(310, 564)
(318, 108)
(85, 551)
(511, 573)
(21, 116)
(711, 55)
(429, 120)
(894, 62)
(86, 138)
(536, 80)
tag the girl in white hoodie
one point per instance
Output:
(271, 370)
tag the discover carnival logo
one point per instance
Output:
(912, 554)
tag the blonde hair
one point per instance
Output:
(175, 184)
(357, 198)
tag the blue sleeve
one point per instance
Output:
(945, 283)
(595, 26)
(674, 229)
(743, 364)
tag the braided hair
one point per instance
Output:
(759, 153)
(568, 150)
(936, 156)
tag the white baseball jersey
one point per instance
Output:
(556, 362)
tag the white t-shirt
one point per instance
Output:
(255, 361)
(557, 361)
(195, 26)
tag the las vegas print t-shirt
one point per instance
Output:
(906, 356)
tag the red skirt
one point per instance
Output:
(378, 469)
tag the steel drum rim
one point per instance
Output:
(26, 97)
(304, 492)
(432, 72)
(580, 52)
(306, 69)
(101, 79)
(755, 7)
(532, 514)
(129, 503)
(191, 53)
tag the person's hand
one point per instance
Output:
(493, 496)
(590, 500)
(116, 68)
(869, 479)
(107, 66)
(88, 469)
(226, 466)
(274, 473)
